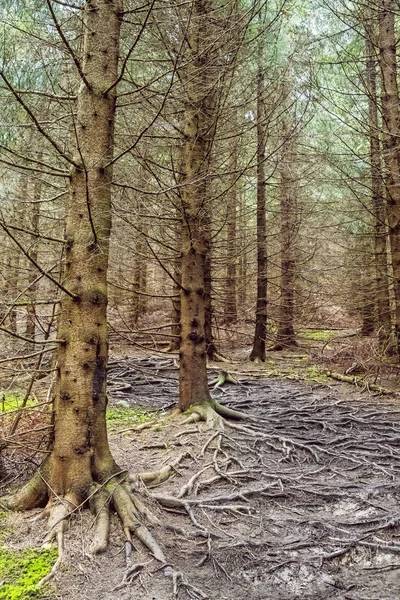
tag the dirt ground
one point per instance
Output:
(300, 501)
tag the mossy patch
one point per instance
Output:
(121, 415)
(310, 374)
(21, 571)
(320, 335)
(313, 373)
(10, 401)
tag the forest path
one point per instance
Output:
(301, 503)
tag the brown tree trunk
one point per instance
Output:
(30, 327)
(378, 201)
(242, 291)
(139, 283)
(196, 150)
(13, 273)
(212, 351)
(80, 454)
(176, 289)
(230, 312)
(391, 142)
(258, 351)
(288, 231)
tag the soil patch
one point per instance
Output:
(301, 502)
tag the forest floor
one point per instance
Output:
(302, 501)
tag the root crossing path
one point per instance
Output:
(301, 502)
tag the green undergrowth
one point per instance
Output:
(121, 415)
(12, 400)
(21, 571)
(310, 374)
(319, 335)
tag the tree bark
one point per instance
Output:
(391, 141)
(378, 201)
(230, 313)
(258, 350)
(139, 283)
(30, 327)
(80, 453)
(288, 231)
(199, 130)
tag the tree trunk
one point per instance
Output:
(80, 453)
(139, 284)
(176, 289)
(391, 140)
(288, 231)
(378, 202)
(230, 315)
(258, 351)
(30, 327)
(199, 130)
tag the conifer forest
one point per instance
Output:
(199, 300)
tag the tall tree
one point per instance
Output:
(288, 231)
(378, 197)
(258, 350)
(80, 463)
(391, 140)
(199, 128)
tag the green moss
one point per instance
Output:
(310, 374)
(12, 400)
(21, 571)
(313, 373)
(121, 415)
(320, 335)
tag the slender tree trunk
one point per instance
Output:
(139, 284)
(196, 151)
(288, 231)
(30, 327)
(176, 289)
(258, 351)
(391, 142)
(230, 315)
(378, 201)
(14, 259)
(242, 292)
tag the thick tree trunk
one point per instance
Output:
(81, 450)
(378, 202)
(199, 130)
(391, 142)
(258, 351)
(80, 454)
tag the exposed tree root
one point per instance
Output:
(154, 478)
(361, 382)
(213, 414)
(216, 357)
(280, 346)
(258, 360)
(124, 493)
(223, 377)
